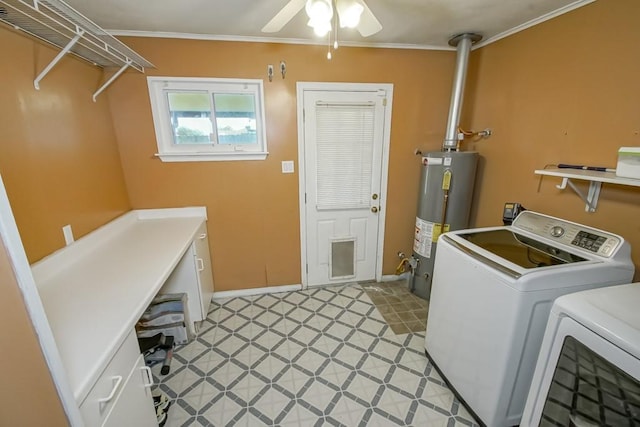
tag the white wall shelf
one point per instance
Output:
(55, 22)
(595, 179)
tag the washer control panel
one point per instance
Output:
(569, 233)
(557, 231)
(589, 241)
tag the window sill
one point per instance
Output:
(211, 157)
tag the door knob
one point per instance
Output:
(374, 209)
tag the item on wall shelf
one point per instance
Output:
(57, 23)
(628, 162)
(585, 168)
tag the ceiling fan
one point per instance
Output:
(351, 13)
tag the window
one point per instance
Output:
(201, 119)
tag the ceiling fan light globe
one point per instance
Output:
(349, 12)
(321, 28)
(319, 10)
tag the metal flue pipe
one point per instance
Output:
(463, 42)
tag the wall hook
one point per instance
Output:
(283, 68)
(270, 72)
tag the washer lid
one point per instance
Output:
(611, 312)
(519, 249)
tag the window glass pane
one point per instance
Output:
(190, 117)
(344, 155)
(235, 118)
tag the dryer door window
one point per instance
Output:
(587, 390)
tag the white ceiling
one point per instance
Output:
(426, 24)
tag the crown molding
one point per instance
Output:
(533, 22)
(254, 39)
(258, 39)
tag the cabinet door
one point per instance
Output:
(134, 406)
(193, 275)
(203, 263)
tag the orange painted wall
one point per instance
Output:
(565, 91)
(58, 155)
(253, 208)
(27, 395)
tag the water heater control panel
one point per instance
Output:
(568, 233)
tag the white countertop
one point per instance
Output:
(96, 289)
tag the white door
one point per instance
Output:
(343, 137)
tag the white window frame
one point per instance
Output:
(168, 151)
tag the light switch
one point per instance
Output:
(287, 166)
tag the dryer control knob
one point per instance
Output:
(557, 231)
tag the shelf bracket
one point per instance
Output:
(63, 52)
(115, 76)
(591, 200)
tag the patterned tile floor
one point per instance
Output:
(317, 357)
(404, 312)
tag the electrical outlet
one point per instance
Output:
(68, 234)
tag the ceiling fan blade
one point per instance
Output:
(284, 16)
(369, 24)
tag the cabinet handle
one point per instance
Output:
(117, 380)
(200, 264)
(202, 236)
(149, 376)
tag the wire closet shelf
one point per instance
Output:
(57, 23)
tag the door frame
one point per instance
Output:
(22, 270)
(301, 87)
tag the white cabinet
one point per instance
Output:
(194, 277)
(122, 388)
(205, 273)
(134, 406)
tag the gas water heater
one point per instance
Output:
(444, 202)
(446, 182)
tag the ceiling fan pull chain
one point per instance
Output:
(335, 24)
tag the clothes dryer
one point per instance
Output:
(588, 371)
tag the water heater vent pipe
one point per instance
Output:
(463, 42)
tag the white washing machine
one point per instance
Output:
(588, 371)
(492, 291)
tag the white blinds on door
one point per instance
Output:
(344, 155)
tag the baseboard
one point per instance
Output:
(256, 291)
(287, 288)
